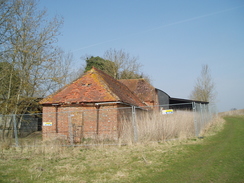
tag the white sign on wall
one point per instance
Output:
(47, 124)
(168, 111)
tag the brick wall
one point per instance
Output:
(108, 122)
(49, 118)
(79, 122)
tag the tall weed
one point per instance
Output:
(157, 127)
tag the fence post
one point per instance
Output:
(202, 117)
(210, 113)
(205, 115)
(195, 118)
(71, 137)
(15, 131)
(134, 124)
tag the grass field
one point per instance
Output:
(219, 158)
(216, 158)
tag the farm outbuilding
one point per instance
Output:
(155, 98)
(89, 106)
(183, 104)
(94, 106)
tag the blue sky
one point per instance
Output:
(172, 40)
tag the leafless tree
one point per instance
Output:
(6, 9)
(204, 89)
(123, 65)
(33, 65)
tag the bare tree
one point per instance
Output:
(6, 9)
(32, 65)
(116, 63)
(56, 75)
(30, 48)
(204, 89)
(122, 65)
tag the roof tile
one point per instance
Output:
(93, 86)
(144, 90)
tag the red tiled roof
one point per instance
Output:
(141, 88)
(93, 86)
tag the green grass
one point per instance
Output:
(217, 158)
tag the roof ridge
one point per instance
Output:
(105, 88)
(133, 79)
(100, 73)
(118, 82)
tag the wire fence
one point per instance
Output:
(106, 124)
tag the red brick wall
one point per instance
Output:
(49, 115)
(79, 122)
(108, 122)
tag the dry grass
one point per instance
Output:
(52, 161)
(80, 164)
(239, 112)
(158, 127)
(215, 125)
(149, 127)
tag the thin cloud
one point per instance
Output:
(160, 27)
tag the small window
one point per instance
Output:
(86, 84)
